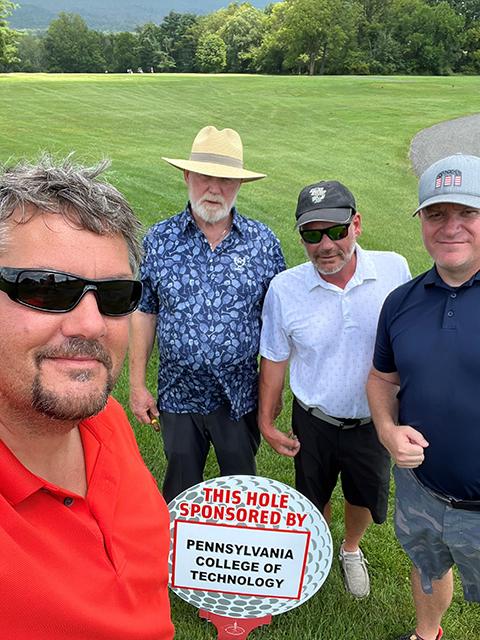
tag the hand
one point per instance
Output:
(286, 445)
(406, 446)
(143, 404)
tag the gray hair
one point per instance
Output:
(72, 191)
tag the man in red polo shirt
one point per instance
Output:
(83, 529)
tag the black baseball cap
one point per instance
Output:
(325, 201)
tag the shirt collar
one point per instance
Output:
(186, 219)
(433, 279)
(17, 482)
(365, 270)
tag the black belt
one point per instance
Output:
(341, 423)
(467, 505)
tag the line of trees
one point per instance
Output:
(293, 36)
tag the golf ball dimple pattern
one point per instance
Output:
(318, 563)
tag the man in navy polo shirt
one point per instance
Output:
(423, 392)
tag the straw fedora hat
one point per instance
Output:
(217, 153)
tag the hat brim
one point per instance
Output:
(325, 215)
(215, 170)
(451, 198)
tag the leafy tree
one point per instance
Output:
(8, 37)
(377, 51)
(178, 39)
(165, 62)
(241, 27)
(269, 57)
(469, 9)
(242, 33)
(153, 49)
(30, 54)
(429, 36)
(470, 62)
(124, 52)
(149, 45)
(211, 53)
(71, 47)
(312, 31)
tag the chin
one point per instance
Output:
(75, 401)
(452, 263)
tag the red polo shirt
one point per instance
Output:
(92, 568)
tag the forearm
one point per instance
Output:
(405, 444)
(272, 378)
(271, 383)
(142, 339)
(382, 393)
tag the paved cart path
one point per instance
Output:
(461, 135)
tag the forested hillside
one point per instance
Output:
(109, 15)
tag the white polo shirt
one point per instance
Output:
(328, 333)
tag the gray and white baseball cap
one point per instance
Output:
(455, 179)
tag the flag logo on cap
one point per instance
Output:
(449, 178)
(317, 194)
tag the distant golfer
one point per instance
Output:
(205, 274)
(424, 395)
(321, 318)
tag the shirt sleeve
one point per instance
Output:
(406, 275)
(274, 340)
(149, 302)
(383, 355)
(277, 256)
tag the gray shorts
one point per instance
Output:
(436, 536)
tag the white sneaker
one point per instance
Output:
(355, 573)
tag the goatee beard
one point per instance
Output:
(65, 407)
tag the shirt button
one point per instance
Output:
(453, 295)
(68, 501)
(450, 314)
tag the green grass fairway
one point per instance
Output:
(297, 130)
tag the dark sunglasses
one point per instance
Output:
(59, 292)
(314, 236)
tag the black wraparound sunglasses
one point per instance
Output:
(59, 292)
(314, 236)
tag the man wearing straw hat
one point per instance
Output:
(205, 273)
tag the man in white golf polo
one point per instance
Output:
(321, 317)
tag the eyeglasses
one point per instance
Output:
(59, 292)
(314, 236)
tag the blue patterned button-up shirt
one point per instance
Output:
(208, 306)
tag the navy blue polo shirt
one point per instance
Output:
(429, 333)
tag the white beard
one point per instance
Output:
(209, 213)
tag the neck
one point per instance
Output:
(343, 277)
(50, 449)
(456, 277)
(214, 232)
(206, 225)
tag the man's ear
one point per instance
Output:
(357, 224)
